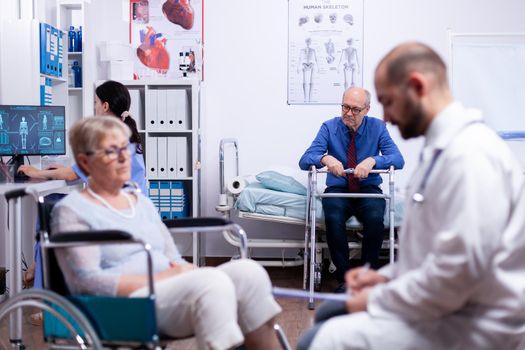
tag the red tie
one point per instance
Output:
(353, 182)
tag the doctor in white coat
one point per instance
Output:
(459, 282)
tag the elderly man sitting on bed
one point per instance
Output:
(353, 140)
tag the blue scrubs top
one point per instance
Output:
(138, 172)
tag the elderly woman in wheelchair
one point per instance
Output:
(223, 307)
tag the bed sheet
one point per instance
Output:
(257, 199)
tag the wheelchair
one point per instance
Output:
(99, 322)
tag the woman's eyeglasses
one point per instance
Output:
(113, 153)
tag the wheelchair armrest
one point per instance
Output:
(209, 224)
(21, 192)
(100, 237)
(88, 236)
(196, 222)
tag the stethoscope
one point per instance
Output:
(419, 197)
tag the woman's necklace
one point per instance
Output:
(110, 207)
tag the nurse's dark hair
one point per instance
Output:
(118, 98)
(415, 56)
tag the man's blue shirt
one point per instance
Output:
(372, 140)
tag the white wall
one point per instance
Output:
(245, 77)
(245, 62)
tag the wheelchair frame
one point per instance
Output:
(44, 298)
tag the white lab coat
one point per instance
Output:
(459, 282)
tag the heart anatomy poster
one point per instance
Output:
(167, 38)
(325, 49)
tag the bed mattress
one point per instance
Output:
(257, 199)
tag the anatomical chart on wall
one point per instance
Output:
(325, 49)
(167, 37)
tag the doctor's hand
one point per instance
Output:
(360, 278)
(358, 302)
(334, 166)
(362, 169)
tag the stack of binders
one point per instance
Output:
(168, 110)
(51, 50)
(168, 157)
(169, 198)
(46, 91)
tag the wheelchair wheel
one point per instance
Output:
(43, 299)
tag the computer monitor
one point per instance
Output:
(32, 130)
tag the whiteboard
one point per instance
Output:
(488, 72)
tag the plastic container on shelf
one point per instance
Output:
(78, 44)
(77, 74)
(70, 76)
(72, 42)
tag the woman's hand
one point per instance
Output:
(174, 270)
(55, 166)
(31, 171)
(129, 283)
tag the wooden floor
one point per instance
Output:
(294, 319)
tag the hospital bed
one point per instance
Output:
(259, 203)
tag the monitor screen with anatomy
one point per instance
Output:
(32, 130)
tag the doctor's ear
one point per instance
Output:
(418, 83)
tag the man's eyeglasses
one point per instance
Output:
(355, 110)
(113, 153)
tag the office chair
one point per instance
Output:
(95, 322)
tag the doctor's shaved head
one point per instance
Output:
(410, 57)
(411, 84)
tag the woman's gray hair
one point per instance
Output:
(86, 134)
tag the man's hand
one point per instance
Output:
(358, 302)
(360, 278)
(334, 166)
(362, 169)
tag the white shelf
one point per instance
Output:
(71, 5)
(183, 111)
(79, 99)
(53, 77)
(168, 131)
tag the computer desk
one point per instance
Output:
(13, 236)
